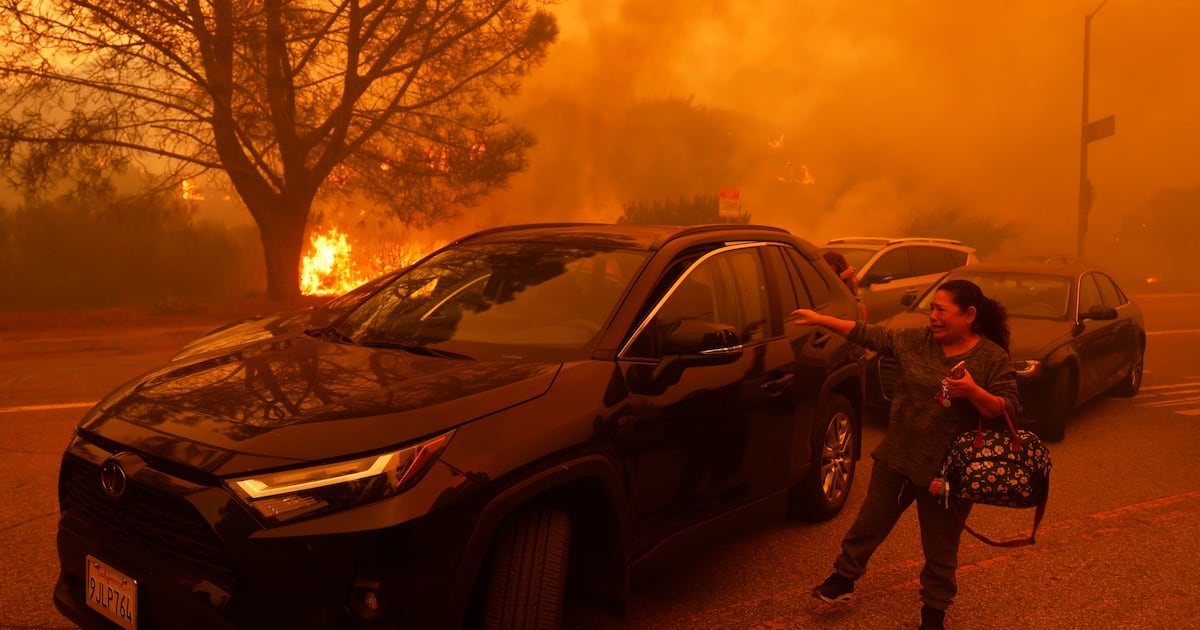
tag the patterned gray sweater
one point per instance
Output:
(920, 429)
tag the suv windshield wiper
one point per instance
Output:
(415, 349)
(329, 333)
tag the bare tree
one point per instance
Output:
(292, 100)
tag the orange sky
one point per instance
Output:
(895, 107)
(905, 104)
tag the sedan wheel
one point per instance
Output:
(821, 495)
(1060, 404)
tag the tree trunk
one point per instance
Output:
(282, 235)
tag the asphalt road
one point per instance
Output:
(1119, 547)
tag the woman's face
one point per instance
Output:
(949, 322)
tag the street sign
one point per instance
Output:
(730, 206)
(1103, 128)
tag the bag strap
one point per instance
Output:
(1016, 542)
(1017, 446)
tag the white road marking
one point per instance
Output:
(1171, 386)
(46, 407)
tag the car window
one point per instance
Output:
(1108, 291)
(929, 260)
(894, 263)
(792, 292)
(957, 258)
(1089, 294)
(729, 288)
(1028, 295)
(856, 256)
(812, 288)
(746, 293)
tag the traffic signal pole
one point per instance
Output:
(1088, 132)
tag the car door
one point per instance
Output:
(1094, 342)
(1121, 340)
(702, 440)
(886, 281)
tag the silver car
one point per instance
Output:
(888, 269)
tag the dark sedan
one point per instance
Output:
(528, 416)
(1075, 336)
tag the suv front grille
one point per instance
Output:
(145, 522)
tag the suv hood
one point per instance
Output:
(300, 399)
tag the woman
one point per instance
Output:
(930, 407)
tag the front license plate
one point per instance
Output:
(111, 593)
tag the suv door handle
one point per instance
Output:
(778, 386)
(821, 339)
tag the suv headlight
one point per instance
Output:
(286, 495)
(1028, 368)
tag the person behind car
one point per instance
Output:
(848, 274)
(929, 409)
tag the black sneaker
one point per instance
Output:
(836, 589)
(932, 618)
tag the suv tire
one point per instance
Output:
(823, 492)
(527, 576)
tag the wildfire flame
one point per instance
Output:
(190, 192)
(331, 269)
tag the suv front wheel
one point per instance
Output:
(527, 576)
(823, 492)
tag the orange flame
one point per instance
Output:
(331, 269)
(190, 191)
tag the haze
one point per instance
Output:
(897, 107)
(852, 118)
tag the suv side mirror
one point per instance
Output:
(908, 299)
(691, 342)
(698, 342)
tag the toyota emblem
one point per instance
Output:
(112, 477)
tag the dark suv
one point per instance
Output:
(892, 272)
(527, 414)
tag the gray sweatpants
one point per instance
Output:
(888, 495)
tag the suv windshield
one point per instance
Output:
(531, 295)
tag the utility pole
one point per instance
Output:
(1089, 132)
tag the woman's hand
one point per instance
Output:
(806, 317)
(964, 387)
(987, 404)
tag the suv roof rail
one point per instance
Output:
(872, 240)
(883, 240)
(926, 239)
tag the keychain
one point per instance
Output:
(957, 371)
(943, 396)
(940, 488)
